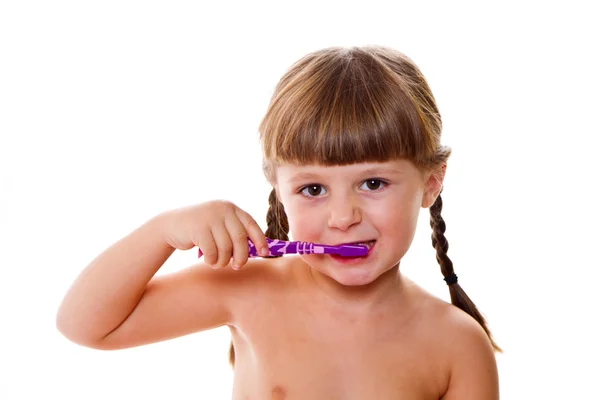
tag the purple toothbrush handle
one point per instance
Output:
(279, 247)
(274, 247)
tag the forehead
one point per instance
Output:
(292, 172)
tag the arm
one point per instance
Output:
(108, 289)
(474, 372)
(116, 302)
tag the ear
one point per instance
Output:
(433, 185)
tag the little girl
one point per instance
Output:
(351, 144)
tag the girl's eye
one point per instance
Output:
(312, 190)
(373, 184)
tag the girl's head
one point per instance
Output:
(340, 107)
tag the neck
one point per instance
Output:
(387, 290)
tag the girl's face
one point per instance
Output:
(373, 203)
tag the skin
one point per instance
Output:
(304, 326)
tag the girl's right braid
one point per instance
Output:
(277, 222)
(457, 295)
(277, 228)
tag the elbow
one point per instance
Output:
(75, 333)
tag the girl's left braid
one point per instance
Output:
(458, 296)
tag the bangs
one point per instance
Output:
(338, 106)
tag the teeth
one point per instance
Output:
(368, 244)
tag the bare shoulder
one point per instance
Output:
(233, 289)
(259, 279)
(471, 360)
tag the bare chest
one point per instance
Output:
(295, 356)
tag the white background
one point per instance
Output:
(113, 111)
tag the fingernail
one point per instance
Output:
(235, 266)
(264, 252)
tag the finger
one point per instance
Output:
(224, 245)
(254, 232)
(208, 247)
(239, 238)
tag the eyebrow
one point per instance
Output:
(382, 170)
(374, 171)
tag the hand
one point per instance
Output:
(219, 228)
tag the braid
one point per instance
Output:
(277, 222)
(457, 295)
(277, 228)
(438, 240)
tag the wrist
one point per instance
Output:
(160, 224)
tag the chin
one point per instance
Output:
(353, 277)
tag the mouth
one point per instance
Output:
(368, 244)
(347, 259)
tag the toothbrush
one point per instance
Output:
(280, 247)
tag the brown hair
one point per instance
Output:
(339, 106)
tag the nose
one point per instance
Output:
(344, 212)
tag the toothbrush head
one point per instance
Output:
(352, 250)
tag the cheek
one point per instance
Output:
(395, 216)
(305, 222)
